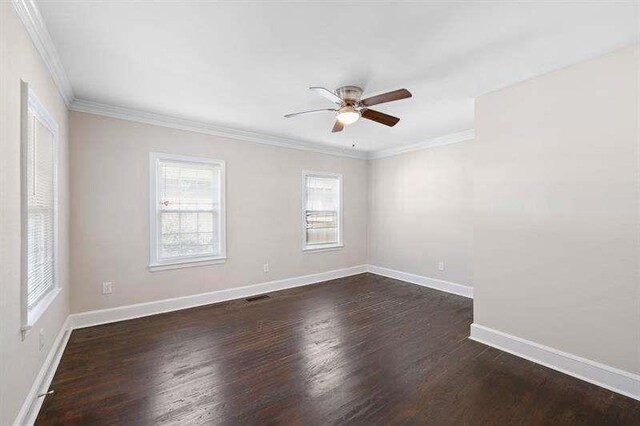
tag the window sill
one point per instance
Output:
(34, 314)
(190, 263)
(325, 247)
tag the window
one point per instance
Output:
(187, 211)
(322, 211)
(39, 145)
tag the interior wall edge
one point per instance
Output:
(613, 379)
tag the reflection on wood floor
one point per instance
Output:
(363, 349)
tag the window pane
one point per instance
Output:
(188, 186)
(205, 238)
(170, 223)
(205, 222)
(322, 193)
(40, 210)
(189, 202)
(188, 222)
(169, 251)
(322, 209)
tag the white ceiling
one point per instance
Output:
(245, 64)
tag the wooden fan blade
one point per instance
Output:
(326, 93)
(380, 117)
(396, 95)
(337, 127)
(309, 112)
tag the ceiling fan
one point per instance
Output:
(349, 106)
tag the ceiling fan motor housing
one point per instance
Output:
(350, 94)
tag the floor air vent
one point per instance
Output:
(256, 298)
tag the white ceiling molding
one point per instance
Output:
(37, 30)
(210, 129)
(32, 20)
(429, 143)
(139, 116)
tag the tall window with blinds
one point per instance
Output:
(322, 210)
(39, 204)
(187, 206)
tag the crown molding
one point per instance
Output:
(429, 143)
(145, 117)
(32, 20)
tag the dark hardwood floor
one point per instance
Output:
(358, 350)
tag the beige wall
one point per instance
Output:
(556, 251)
(110, 212)
(546, 199)
(20, 360)
(420, 212)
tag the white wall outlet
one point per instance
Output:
(41, 339)
(107, 287)
(441, 266)
(265, 267)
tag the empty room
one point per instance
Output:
(319, 212)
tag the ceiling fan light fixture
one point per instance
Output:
(348, 115)
(349, 107)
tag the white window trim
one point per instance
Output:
(29, 102)
(190, 261)
(320, 247)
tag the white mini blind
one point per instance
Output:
(322, 209)
(188, 210)
(40, 187)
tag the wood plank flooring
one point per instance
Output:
(359, 350)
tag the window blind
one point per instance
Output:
(40, 210)
(188, 209)
(322, 209)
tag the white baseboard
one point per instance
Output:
(120, 313)
(32, 404)
(602, 375)
(449, 287)
(30, 408)
(616, 380)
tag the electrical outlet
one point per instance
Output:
(107, 287)
(41, 339)
(441, 266)
(265, 267)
